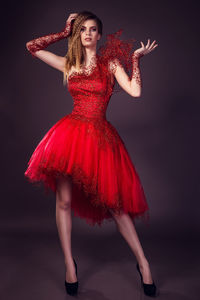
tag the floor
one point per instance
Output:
(32, 262)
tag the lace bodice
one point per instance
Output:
(91, 90)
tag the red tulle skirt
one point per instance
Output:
(91, 153)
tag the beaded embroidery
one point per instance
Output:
(42, 42)
(136, 69)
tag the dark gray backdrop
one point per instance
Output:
(160, 130)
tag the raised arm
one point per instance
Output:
(36, 46)
(132, 85)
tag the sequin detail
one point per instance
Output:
(117, 51)
(136, 69)
(42, 42)
(85, 70)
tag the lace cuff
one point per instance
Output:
(136, 69)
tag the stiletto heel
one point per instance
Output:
(149, 289)
(72, 287)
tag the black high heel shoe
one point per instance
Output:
(72, 287)
(149, 289)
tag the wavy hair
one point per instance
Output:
(75, 53)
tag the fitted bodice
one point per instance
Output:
(91, 91)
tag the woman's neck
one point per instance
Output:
(89, 54)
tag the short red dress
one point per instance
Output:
(85, 146)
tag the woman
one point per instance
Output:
(82, 157)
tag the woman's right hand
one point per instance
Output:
(68, 25)
(70, 18)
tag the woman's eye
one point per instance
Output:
(94, 29)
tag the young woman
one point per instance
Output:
(82, 158)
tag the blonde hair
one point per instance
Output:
(75, 53)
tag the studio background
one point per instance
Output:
(160, 130)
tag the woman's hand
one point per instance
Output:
(71, 17)
(68, 25)
(145, 49)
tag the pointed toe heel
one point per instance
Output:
(72, 287)
(149, 289)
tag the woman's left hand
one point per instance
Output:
(146, 49)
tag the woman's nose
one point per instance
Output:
(88, 32)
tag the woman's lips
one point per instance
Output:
(88, 39)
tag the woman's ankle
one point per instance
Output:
(69, 263)
(143, 262)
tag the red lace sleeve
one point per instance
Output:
(44, 41)
(116, 50)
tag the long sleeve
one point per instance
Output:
(42, 42)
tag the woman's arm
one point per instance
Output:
(36, 46)
(133, 85)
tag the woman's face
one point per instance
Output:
(89, 33)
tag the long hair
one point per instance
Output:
(75, 53)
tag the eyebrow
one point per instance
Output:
(90, 26)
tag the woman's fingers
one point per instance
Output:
(152, 44)
(148, 42)
(142, 44)
(148, 48)
(71, 17)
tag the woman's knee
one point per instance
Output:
(63, 193)
(116, 214)
(64, 205)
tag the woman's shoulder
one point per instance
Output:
(116, 50)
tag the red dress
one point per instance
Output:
(85, 146)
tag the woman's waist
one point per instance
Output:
(88, 112)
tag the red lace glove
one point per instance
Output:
(42, 42)
(136, 70)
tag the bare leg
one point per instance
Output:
(64, 225)
(127, 229)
